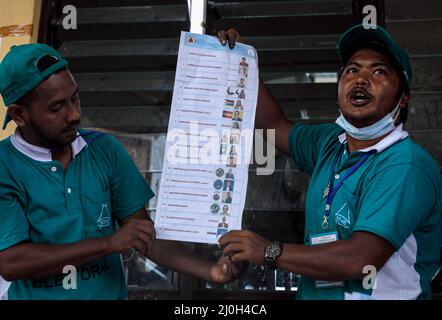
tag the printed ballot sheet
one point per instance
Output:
(209, 140)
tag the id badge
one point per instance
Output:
(322, 238)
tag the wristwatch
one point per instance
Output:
(272, 251)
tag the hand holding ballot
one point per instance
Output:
(244, 246)
(225, 270)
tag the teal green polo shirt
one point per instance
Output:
(395, 194)
(41, 203)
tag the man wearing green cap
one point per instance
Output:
(373, 207)
(62, 188)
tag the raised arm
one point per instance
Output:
(269, 115)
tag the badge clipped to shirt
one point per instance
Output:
(321, 238)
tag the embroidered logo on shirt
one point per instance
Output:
(342, 217)
(104, 220)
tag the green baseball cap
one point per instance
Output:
(359, 36)
(21, 71)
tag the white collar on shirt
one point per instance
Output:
(40, 153)
(394, 136)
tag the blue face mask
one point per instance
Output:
(373, 131)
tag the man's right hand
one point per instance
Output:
(134, 233)
(230, 36)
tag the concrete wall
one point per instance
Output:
(18, 25)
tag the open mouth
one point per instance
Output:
(359, 97)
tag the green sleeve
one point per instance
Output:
(308, 142)
(397, 200)
(14, 227)
(129, 190)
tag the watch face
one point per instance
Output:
(273, 250)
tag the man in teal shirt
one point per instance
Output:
(62, 189)
(373, 207)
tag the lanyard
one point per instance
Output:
(330, 195)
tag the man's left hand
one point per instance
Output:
(224, 270)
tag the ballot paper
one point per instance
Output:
(209, 140)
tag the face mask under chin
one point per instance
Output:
(373, 131)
